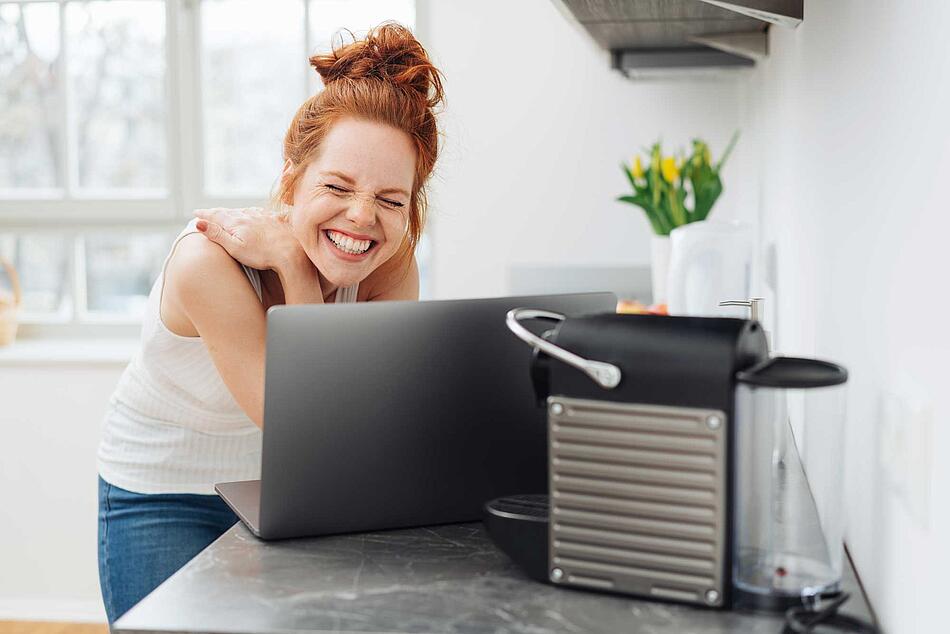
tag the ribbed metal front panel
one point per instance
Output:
(638, 498)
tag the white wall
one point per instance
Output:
(851, 114)
(535, 127)
(845, 150)
(50, 412)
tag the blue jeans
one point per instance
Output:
(144, 538)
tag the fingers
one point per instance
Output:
(227, 217)
(211, 215)
(228, 227)
(217, 234)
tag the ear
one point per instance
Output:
(285, 177)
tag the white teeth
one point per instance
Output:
(348, 244)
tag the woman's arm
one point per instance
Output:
(207, 294)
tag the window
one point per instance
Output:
(121, 116)
(251, 82)
(115, 94)
(30, 139)
(44, 262)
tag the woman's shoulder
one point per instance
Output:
(201, 275)
(199, 261)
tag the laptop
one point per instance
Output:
(383, 415)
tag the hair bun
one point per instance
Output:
(389, 52)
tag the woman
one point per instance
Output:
(188, 410)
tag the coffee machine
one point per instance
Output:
(685, 464)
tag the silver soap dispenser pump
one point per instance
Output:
(754, 304)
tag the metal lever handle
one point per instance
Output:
(754, 305)
(605, 375)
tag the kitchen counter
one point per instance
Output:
(439, 579)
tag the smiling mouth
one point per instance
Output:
(348, 245)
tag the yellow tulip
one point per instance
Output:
(707, 156)
(637, 170)
(669, 169)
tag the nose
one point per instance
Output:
(362, 211)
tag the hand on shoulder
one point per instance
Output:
(252, 236)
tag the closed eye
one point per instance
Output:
(390, 203)
(337, 189)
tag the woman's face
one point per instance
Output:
(351, 205)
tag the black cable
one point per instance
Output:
(804, 619)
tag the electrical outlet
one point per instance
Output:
(904, 448)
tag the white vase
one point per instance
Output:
(659, 266)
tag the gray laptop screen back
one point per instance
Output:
(392, 414)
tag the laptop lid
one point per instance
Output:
(392, 414)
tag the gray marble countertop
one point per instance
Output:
(439, 579)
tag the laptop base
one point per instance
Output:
(244, 498)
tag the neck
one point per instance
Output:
(273, 289)
(326, 287)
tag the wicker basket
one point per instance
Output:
(9, 303)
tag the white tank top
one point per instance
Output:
(172, 425)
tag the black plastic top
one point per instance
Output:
(681, 361)
(793, 372)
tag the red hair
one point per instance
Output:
(386, 77)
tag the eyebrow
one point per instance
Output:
(343, 177)
(394, 190)
(349, 180)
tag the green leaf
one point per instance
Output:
(706, 196)
(630, 178)
(656, 186)
(651, 214)
(681, 195)
(732, 144)
(677, 213)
